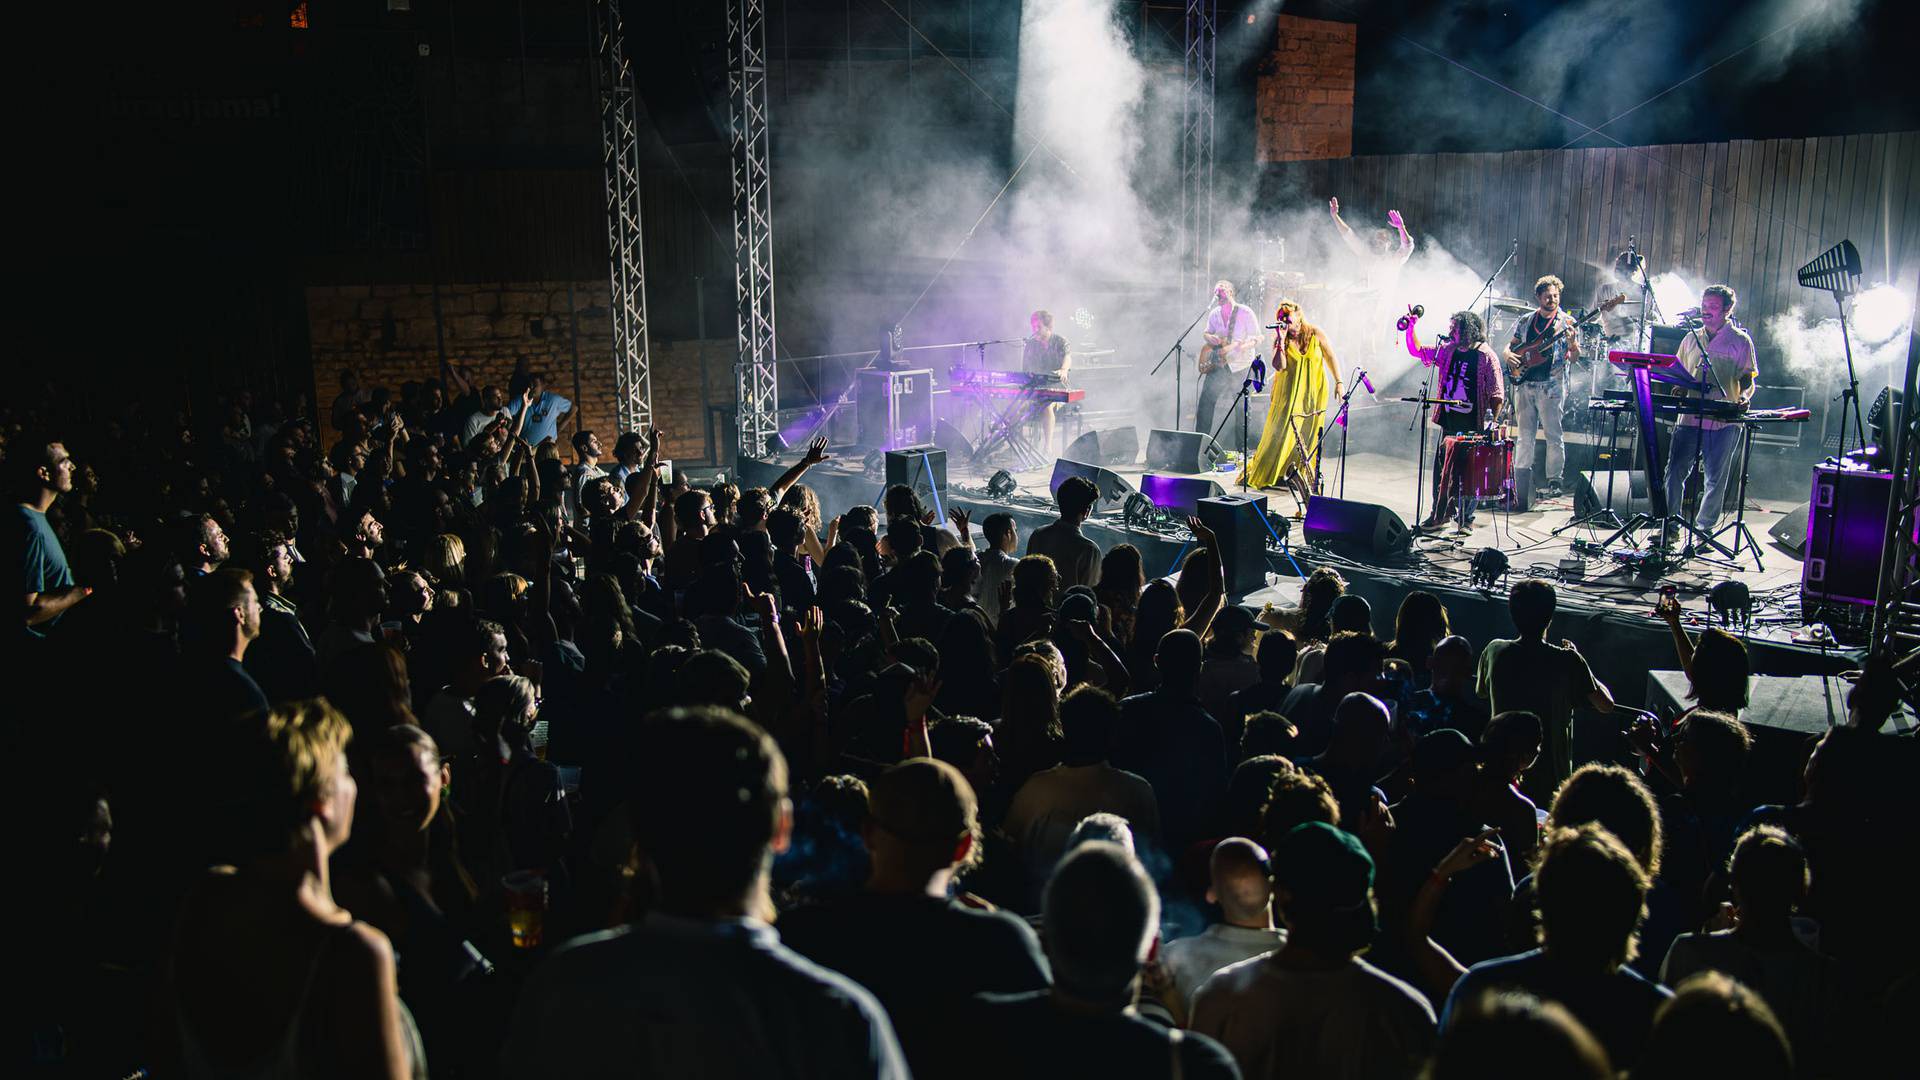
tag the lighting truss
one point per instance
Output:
(1196, 149)
(1896, 613)
(757, 385)
(627, 272)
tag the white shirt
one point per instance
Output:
(996, 566)
(1051, 803)
(1191, 961)
(1354, 1022)
(1731, 353)
(1240, 324)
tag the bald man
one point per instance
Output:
(1244, 892)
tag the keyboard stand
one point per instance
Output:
(1743, 536)
(1602, 516)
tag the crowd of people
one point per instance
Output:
(418, 735)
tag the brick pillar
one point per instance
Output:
(1305, 96)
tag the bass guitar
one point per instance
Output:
(1216, 353)
(1540, 350)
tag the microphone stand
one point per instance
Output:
(1179, 349)
(1340, 417)
(1240, 399)
(1486, 289)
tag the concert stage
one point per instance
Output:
(1607, 610)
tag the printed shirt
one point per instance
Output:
(1530, 329)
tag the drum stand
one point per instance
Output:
(1743, 536)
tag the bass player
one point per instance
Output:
(1232, 333)
(1540, 389)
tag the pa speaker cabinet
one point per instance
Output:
(1629, 493)
(1110, 446)
(924, 469)
(1240, 521)
(1181, 451)
(1846, 531)
(1790, 531)
(1113, 489)
(1179, 494)
(1368, 530)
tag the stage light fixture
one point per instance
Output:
(1138, 511)
(1489, 566)
(776, 444)
(1729, 599)
(1001, 485)
(1281, 525)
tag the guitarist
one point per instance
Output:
(1540, 389)
(1232, 333)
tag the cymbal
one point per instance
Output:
(1512, 303)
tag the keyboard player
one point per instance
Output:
(1721, 355)
(1046, 354)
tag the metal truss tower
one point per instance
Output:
(756, 378)
(620, 159)
(1896, 612)
(1196, 151)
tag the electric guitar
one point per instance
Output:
(1538, 352)
(1216, 354)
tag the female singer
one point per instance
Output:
(1305, 374)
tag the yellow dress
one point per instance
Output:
(1300, 392)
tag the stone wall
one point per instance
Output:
(1304, 100)
(386, 332)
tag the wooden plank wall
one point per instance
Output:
(1744, 213)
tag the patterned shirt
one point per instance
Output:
(1530, 329)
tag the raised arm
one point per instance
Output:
(1424, 354)
(1669, 610)
(1353, 242)
(1201, 617)
(816, 453)
(1406, 238)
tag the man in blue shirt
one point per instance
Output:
(545, 410)
(42, 471)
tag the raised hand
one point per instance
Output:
(1669, 609)
(960, 518)
(1470, 852)
(1333, 205)
(927, 518)
(816, 450)
(919, 697)
(1394, 219)
(1006, 593)
(1201, 533)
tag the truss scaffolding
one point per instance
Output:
(627, 272)
(1196, 150)
(757, 383)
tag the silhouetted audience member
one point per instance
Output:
(701, 976)
(1100, 915)
(1241, 886)
(1314, 1007)
(1593, 894)
(1168, 738)
(904, 937)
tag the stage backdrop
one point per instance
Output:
(1744, 213)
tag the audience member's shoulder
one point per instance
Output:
(1392, 988)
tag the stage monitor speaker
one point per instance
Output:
(1368, 530)
(923, 468)
(947, 436)
(1113, 446)
(1182, 451)
(1790, 532)
(1846, 533)
(1240, 521)
(1179, 494)
(1629, 493)
(1113, 489)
